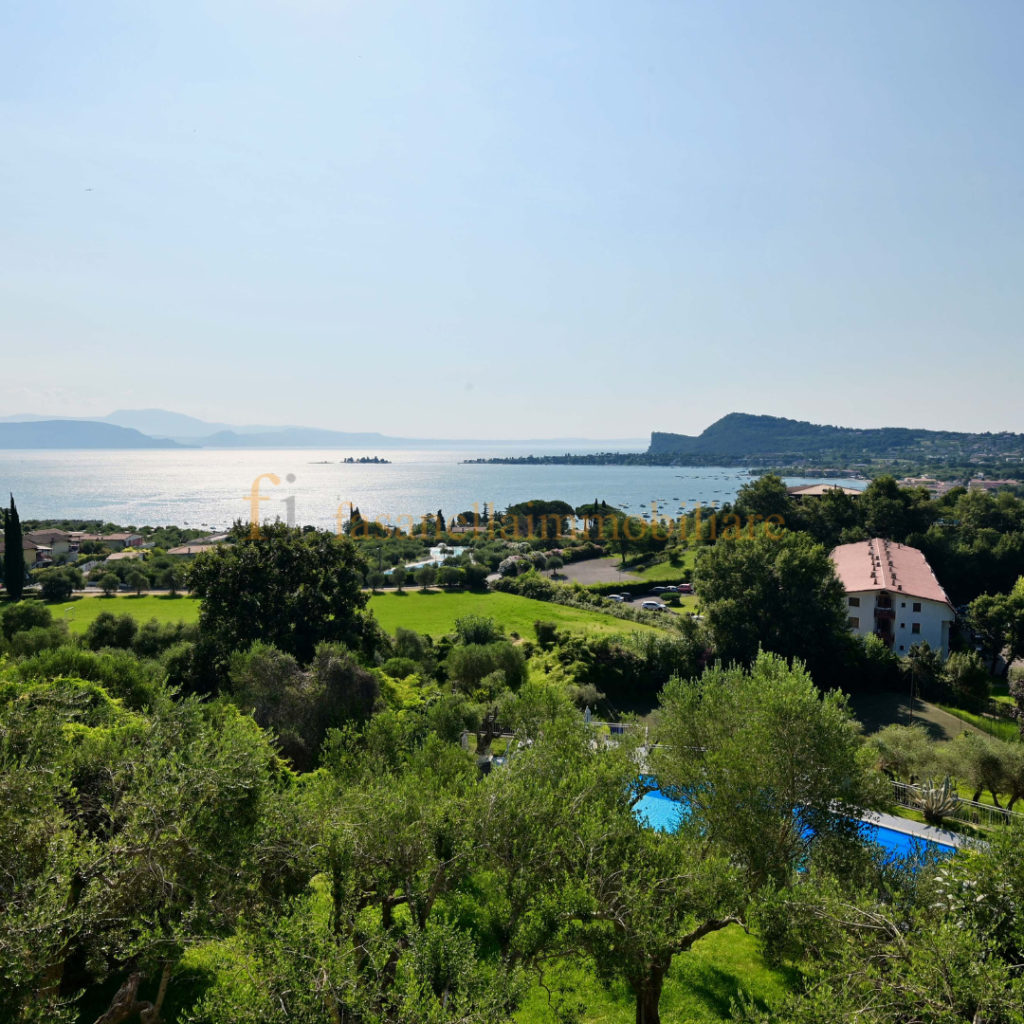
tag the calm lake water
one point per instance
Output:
(211, 488)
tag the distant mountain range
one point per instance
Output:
(76, 434)
(158, 428)
(746, 437)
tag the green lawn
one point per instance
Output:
(699, 987)
(431, 611)
(435, 612)
(1002, 728)
(80, 611)
(665, 572)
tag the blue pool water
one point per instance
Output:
(665, 815)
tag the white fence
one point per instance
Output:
(967, 812)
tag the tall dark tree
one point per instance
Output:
(14, 554)
(441, 527)
(292, 590)
(773, 593)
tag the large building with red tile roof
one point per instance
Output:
(891, 591)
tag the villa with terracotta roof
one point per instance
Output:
(891, 591)
(817, 490)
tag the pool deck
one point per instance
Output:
(915, 828)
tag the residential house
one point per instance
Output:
(817, 490)
(35, 554)
(124, 556)
(58, 541)
(190, 550)
(114, 541)
(892, 592)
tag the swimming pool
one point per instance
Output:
(664, 814)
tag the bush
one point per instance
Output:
(137, 683)
(469, 665)
(23, 616)
(965, 674)
(547, 633)
(450, 715)
(451, 576)
(153, 639)
(109, 583)
(426, 576)
(110, 630)
(399, 668)
(375, 580)
(478, 629)
(30, 642)
(475, 575)
(56, 585)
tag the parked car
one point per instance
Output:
(653, 606)
(685, 588)
(670, 590)
(617, 598)
(658, 590)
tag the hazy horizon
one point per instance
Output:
(513, 221)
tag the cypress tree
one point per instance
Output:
(14, 554)
(441, 527)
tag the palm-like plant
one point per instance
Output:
(936, 802)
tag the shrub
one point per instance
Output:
(109, 583)
(469, 665)
(547, 633)
(152, 638)
(475, 575)
(375, 580)
(110, 630)
(400, 668)
(137, 683)
(451, 576)
(24, 615)
(965, 674)
(30, 642)
(426, 576)
(56, 585)
(478, 629)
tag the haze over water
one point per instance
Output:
(210, 487)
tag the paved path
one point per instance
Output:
(877, 710)
(915, 828)
(595, 570)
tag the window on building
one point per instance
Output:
(854, 602)
(917, 606)
(903, 604)
(901, 647)
(903, 625)
(854, 622)
(915, 627)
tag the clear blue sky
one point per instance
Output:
(509, 219)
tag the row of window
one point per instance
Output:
(915, 627)
(855, 603)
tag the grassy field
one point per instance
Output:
(80, 611)
(699, 987)
(1001, 728)
(665, 572)
(430, 611)
(435, 612)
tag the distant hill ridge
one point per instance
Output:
(741, 435)
(76, 434)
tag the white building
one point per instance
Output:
(892, 591)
